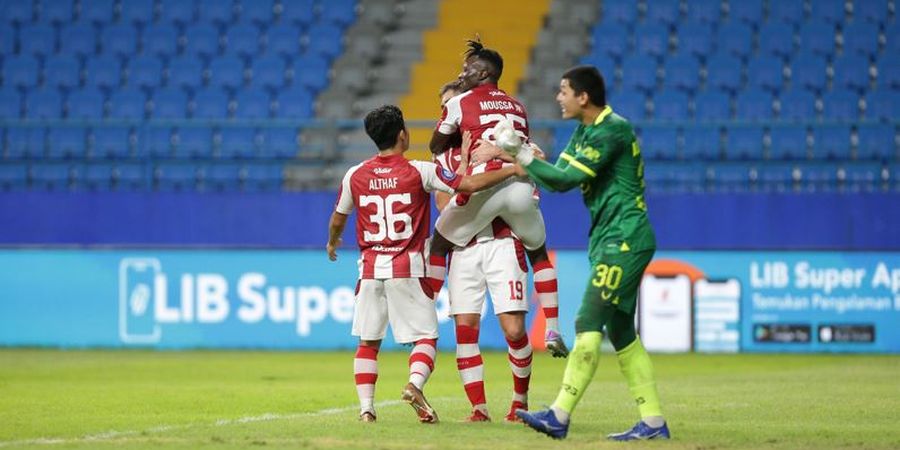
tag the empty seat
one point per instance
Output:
(169, 103)
(160, 39)
(777, 176)
(695, 38)
(663, 11)
(18, 12)
(818, 176)
(226, 71)
(734, 38)
(176, 177)
(13, 177)
(7, 39)
(701, 142)
(797, 105)
(832, 11)
(310, 71)
(284, 39)
(622, 12)
(788, 142)
(111, 142)
(817, 38)
(119, 39)
(259, 11)
(237, 142)
(862, 176)
(51, 176)
(145, 71)
(682, 72)
(670, 105)
(186, 72)
(222, 177)
(97, 11)
(67, 142)
(745, 143)
(295, 103)
(37, 39)
(340, 12)
(709, 11)
(103, 71)
(177, 11)
(765, 73)
(325, 40)
(127, 103)
(62, 71)
(262, 177)
(242, 39)
(43, 103)
(252, 103)
(201, 39)
(749, 11)
(610, 39)
(776, 39)
(194, 142)
(97, 176)
(809, 71)
(753, 105)
(651, 39)
(268, 71)
(210, 103)
(712, 105)
(217, 11)
(883, 105)
(840, 105)
(25, 142)
(156, 142)
(889, 72)
(723, 71)
(10, 103)
(298, 12)
(279, 142)
(831, 141)
(128, 176)
(631, 105)
(851, 72)
(86, 103)
(730, 177)
(789, 11)
(639, 72)
(137, 11)
(873, 11)
(659, 142)
(860, 38)
(78, 39)
(876, 141)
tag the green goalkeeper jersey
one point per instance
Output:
(613, 189)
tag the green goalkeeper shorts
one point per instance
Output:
(613, 285)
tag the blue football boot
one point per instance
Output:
(641, 432)
(544, 421)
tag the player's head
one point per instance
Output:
(482, 65)
(386, 127)
(579, 88)
(449, 90)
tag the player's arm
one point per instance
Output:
(485, 180)
(451, 117)
(576, 167)
(439, 143)
(335, 229)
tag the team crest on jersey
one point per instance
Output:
(448, 175)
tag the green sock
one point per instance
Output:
(579, 370)
(638, 370)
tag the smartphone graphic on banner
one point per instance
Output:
(139, 278)
(717, 314)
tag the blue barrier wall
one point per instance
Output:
(860, 221)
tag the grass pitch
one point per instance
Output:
(220, 400)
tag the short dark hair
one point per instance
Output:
(450, 86)
(587, 79)
(383, 124)
(491, 57)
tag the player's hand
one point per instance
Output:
(520, 171)
(538, 153)
(484, 151)
(506, 137)
(466, 148)
(331, 247)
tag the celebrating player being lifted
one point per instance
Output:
(477, 110)
(392, 195)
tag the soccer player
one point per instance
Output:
(604, 160)
(493, 261)
(392, 195)
(477, 110)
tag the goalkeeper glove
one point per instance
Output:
(507, 139)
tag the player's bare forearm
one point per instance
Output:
(335, 229)
(441, 199)
(554, 178)
(439, 142)
(482, 181)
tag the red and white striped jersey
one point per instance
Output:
(479, 109)
(392, 195)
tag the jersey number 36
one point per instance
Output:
(385, 219)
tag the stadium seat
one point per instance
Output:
(128, 177)
(325, 40)
(860, 38)
(339, 12)
(222, 177)
(194, 142)
(257, 11)
(262, 177)
(876, 141)
(776, 39)
(651, 39)
(37, 39)
(659, 142)
(639, 72)
(111, 142)
(177, 11)
(13, 177)
(744, 142)
(43, 103)
(56, 11)
(695, 38)
(18, 12)
(98, 176)
(103, 71)
(310, 71)
(753, 105)
(237, 143)
(663, 11)
(10, 103)
(66, 142)
(7, 39)
(851, 72)
(25, 142)
(294, 103)
(78, 39)
(127, 103)
(670, 105)
(226, 71)
(787, 11)
(242, 39)
(861, 176)
(622, 12)
(169, 103)
(252, 103)
(86, 104)
(610, 38)
(299, 12)
(160, 39)
(97, 11)
(156, 142)
(840, 105)
(201, 39)
(708, 11)
(749, 11)
(734, 38)
(284, 40)
(831, 11)
(892, 36)
(809, 71)
(268, 72)
(872, 11)
(216, 11)
(817, 38)
(50, 176)
(723, 71)
(145, 71)
(884, 106)
(682, 72)
(185, 72)
(788, 142)
(831, 142)
(630, 105)
(778, 176)
(889, 72)
(176, 177)
(119, 39)
(137, 11)
(818, 176)
(730, 177)
(797, 105)
(279, 142)
(62, 71)
(712, 105)
(210, 103)
(702, 142)
(765, 72)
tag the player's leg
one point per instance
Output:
(436, 270)
(370, 319)
(365, 370)
(546, 287)
(467, 292)
(520, 357)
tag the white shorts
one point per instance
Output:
(513, 200)
(402, 302)
(496, 265)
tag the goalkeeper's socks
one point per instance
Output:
(365, 370)
(421, 362)
(545, 285)
(561, 415)
(520, 354)
(634, 362)
(654, 421)
(470, 365)
(580, 368)
(435, 272)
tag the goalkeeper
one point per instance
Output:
(604, 159)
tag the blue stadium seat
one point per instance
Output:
(127, 103)
(284, 40)
(817, 38)
(86, 103)
(723, 71)
(129, 177)
(7, 39)
(298, 12)
(663, 11)
(37, 39)
(765, 72)
(809, 71)
(51, 176)
(78, 39)
(670, 105)
(883, 105)
(744, 142)
(185, 72)
(160, 39)
(651, 39)
(659, 142)
(268, 71)
(682, 72)
(325, 40)
(13, 177)
(876, 142)
(797, 105)
(702, 142)
(776, 39)
(639, 72)
(119, 39)
(10, 103)
(262, 177)
(712, 105)
(840, 105)
(831, 142)
(201, 39)
(788, 11)
(145, 71)
(611, 39)
(210, 103)
(622, 12)
(709, 11)
(873, 11)
(279, 142)
(242, 39)
(56, 11)
(294, 103)
(258, 11)
(892, 36)
(194, 142)
(861, 176)
(217, 11)
(832, 11)
(340, 12)
(818, 176)
(66, 142)
(97, 11)
(25, 142)
(98, 176)
(176, 177)
(156, 142)
(311, 71)
(178, 11)
(18, 12)
(226, 71)
(103, 71)
(62, 71)
(894, 175)
(43, 103)
(889, 72)
(169, 103)
(777, 176)
(137, 11)
(252, 103)
(630, 105)
(222, 177)
(788, 142)
(749, 11)
(695, 38)
(237, 142)
(860, 38)
(734, 38)
(753, 105)
(683, 176)
(730, 177)
(851, 72)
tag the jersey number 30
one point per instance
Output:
(385, 219)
